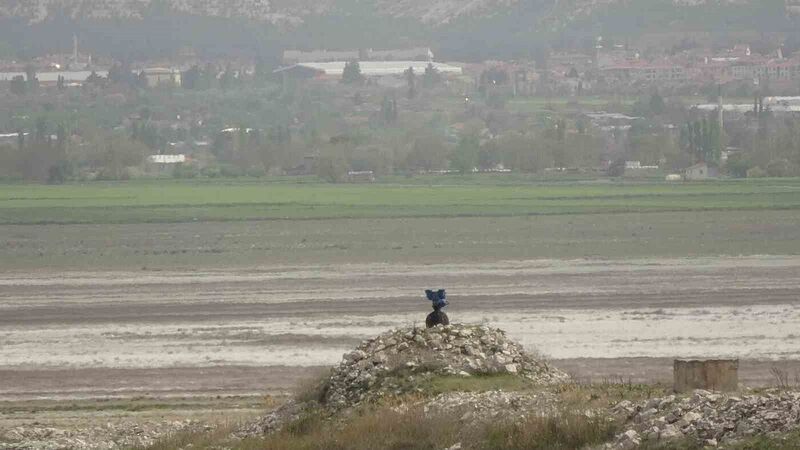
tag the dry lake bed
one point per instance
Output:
(88, 335)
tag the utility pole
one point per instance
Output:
(720, 111)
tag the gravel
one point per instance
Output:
(708, 418)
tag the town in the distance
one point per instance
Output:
(689, 111)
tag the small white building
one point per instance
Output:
(159, 76)
(633, 165)
(364, 176)
(166, 159)
(701, 171)
(674, 177)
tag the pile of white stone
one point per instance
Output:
(492, 406)
(108, 437)
(400, 360)
(708, 418)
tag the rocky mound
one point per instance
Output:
(708, 418)
(399, 359)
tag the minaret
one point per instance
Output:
(721, 118)
(720, 113)
(74, 48)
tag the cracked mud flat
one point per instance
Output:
(238, 332)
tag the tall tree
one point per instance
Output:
(557, 138)
(190, 79)
(657, 105)
(703, 140)
(465, 156)
(411, 82)
(30, 78)
(431, 77)
(17, 85)
(352, 73)
(389, 110)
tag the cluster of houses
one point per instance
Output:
(615, 68)
(74, 69)
(619, 68)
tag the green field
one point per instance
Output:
(192, 224)
(172, 202)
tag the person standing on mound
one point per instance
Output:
(439, 300)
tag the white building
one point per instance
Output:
(701, 171)
(409, 54)
(335, 69)
(159, 76)
(166, 159)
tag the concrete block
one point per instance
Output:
(713, 375)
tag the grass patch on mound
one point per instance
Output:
(370, 429)
(479, 383)
(569, 431)
(409, 428)
(603, 395)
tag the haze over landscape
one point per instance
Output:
(219, 220)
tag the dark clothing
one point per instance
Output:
(437, 317)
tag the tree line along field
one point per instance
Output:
(200, 201)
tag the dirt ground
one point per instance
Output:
(231, 332)
(120, 357)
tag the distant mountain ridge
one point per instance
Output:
(295, 11)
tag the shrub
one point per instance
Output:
(255, 172)
(211, 172)
(370, 429)
(780, 168)
(331, 168)
(230, 171)
(184, 171)
(756, 172)
(568, 431)
(313, 389)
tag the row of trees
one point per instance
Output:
(427, 150)
(43, 157)
(21, 85)
(121, 74)
(38, 156)
(703, 140)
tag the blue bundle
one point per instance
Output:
(438, 298)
